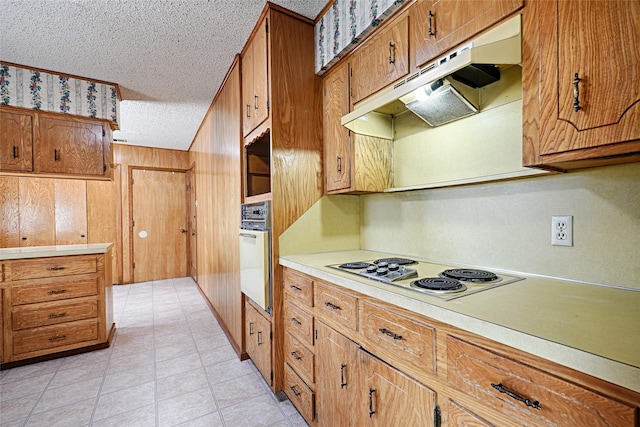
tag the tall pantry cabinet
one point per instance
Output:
(278, 60)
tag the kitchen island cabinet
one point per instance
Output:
(56, 300)
(469, 377)
(587, 110)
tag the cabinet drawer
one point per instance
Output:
(54, 289)
(51, 313)
(298, 323)
(298, 287)
(480, 373)
(337, 306)
(55, 266)
(298, 357)
(300, 395)
(406, 341)
(48, 337)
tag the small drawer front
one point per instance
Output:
(54, 289)
(337, 306)
(54, 266)
(527, 394)
(300, 395)
(298, 323)
(298, 357)
(298, 287)
(48, 337)
(406, 341)
(51, 313)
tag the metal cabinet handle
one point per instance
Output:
(392, 53)
(56, 315)
(55, 268)
(332, 306)
(248, 109)
(576, 93)
(15, 151)
(343, 383)
(431, 16)
(295, 392)
(533, 404)
(294, 287)
(182, 230)
(56, 291)
(371, 410)
(250, 328)
(391, 334)
(259, 337)
(338, 164)
(296, 321)
(58, 338)
(296, 355)
(56, 155)
(255, 102)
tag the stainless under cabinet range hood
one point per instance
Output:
(444, 90)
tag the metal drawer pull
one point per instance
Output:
(15, 152)
(576, 93)
(58, 338)
(295, 287)
(338, 164)
(250, 328)
(56, 155)
(259, 337)
(295, 355)
(371, 411)
(248, 107)
(391, 334)
(56, 315)
(392, 56)
(431, 16)
(296, 321)
(55, 268)
(255, 102)
(293, 389)
(533, 404)
(57, 291)
(343, 383)
(332, 306)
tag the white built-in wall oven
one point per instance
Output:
(255, 253)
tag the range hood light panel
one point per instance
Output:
(441, 106)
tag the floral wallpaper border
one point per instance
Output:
(344, 24)
(39, 90)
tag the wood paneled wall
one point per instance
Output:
(216, 155)
(129, 155)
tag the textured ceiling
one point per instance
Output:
(168, 56)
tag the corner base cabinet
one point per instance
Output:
(54, 306)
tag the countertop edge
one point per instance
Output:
(7, 254)
(597, 366)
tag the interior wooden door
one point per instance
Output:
(192, 236)
(71, 211)
(159, 225)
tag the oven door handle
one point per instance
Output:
(251, 236)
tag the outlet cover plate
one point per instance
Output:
(562, 230)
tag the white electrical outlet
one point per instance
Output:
(562, 230)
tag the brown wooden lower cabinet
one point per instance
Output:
(383, 365)
(258, 340)
(54, 305)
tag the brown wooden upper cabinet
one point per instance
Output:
(70, 146)
(589, 84)
(381, 60)
(337, 150)
(255, 81)
(16, 142)
(439, 25)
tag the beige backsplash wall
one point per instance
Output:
(507, 225)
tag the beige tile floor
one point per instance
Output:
(170, 365)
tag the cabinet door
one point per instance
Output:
(255, 80)
(601, 106)
(337, 144)
(437, 26)
(16, 144)
(69, 146)
(258, 341)
(248, 119)
(385, 392)
(381, 60)
(336, 377)
(9, 212)
(71, 211)
(37, 205)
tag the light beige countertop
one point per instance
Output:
(49, 251)
(590, 328)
